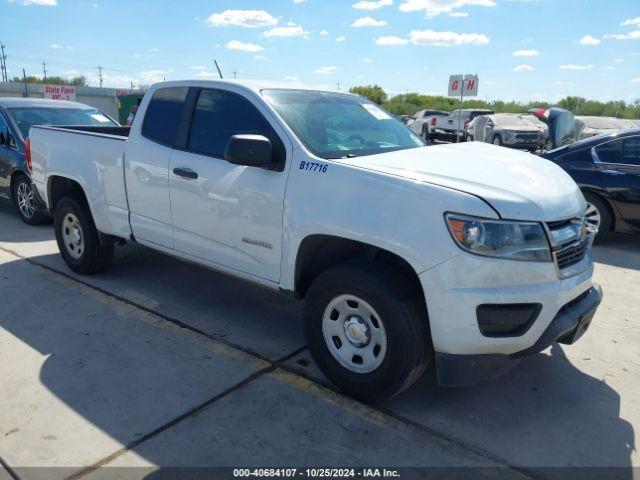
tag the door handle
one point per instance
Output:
(185, 173)
(610, 171)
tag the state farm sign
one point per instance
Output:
(59, 92)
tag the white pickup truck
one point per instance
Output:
(469, 255)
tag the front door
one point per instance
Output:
(229, 215)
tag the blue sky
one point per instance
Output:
(521, 49)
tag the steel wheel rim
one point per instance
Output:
(25, 200)
(354, 334)
(496, 141)
(593, 216)
(72, 236)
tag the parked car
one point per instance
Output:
(17, 115)
(452, 127)
(420, 123)
(607, 169)
(592, 126)
(509, 130)
(401, 251)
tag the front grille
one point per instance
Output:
(572, 254)
(527, 136)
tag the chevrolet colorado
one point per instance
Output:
(468, 255)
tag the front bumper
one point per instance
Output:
(571, 322)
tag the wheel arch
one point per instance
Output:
(319, 252)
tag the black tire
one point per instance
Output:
(498, 138)
(30, 214)
(606, 219)
(94, 257)
(404, 317)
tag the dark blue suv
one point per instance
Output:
(17, 115)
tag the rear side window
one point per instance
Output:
(610, 152)
(163, 115)
(219, 115)
(631, 151)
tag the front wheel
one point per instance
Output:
(78, 240)
(497, 140)
(25, 203)
(367, 330)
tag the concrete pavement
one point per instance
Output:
(162, 363)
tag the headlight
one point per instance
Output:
(501, 239)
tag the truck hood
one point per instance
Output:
(518, 185)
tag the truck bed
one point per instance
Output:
(96, 157)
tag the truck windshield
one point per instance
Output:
(29, 116)
(336, 125)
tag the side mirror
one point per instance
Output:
(249, 150)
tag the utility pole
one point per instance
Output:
(26, 88)
(338, 85)
(44, 69)
(100, 75)
(218, 68)
(3, 63)
(235, 74)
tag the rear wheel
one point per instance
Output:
(497, 140)
(25, 203)
(78, 240)
(598, 214)
(367, 330)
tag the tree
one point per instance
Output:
(374, 93)
(79, 81)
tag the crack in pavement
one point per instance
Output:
(273, 365)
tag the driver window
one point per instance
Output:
(219, 115)
(5, 135)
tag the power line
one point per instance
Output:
(3, 63)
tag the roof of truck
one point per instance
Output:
(18, 102)
(255, 85)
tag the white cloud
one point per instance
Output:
(43, 3)
(524, 68)
(198, 67)
(589, 40)
(242, 18)
(260, 57)
(436, 7)
(619, 60)
(325, 70)
(152, 76)
(572, 66)
(458, 14)
(299, 1)
(372, 4)
(291, 30)
(526, 53)
(368, 22)
(392, 41)
(632, 35)
(292, 78)
(367, 60)
(243, 47)
(636, 80)
(631, 21)
(341, 39)
(57, 46)
(153, 50)
(447, 39)
(324, 32)
(560, 83)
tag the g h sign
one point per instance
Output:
(465, 86)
